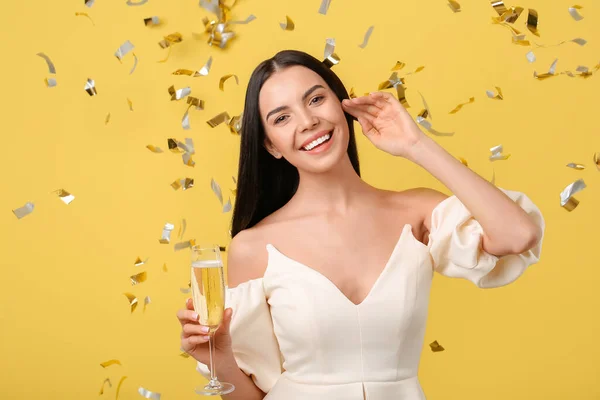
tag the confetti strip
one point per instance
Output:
(179, 93)
(187, 160)
(288, 25)
(330, 58)
(185, 121)
(182, 228)
(194, 101)
(324, 6)
(532, 22)
(227, 206)
(184, 245)
(104, 383)
(427, 125)
(576, 166)
(109, 363)
(82, 14)
(367, 37)
(551, 72)
(130, 104)
(436, 347)
(147, 301)
(107, 119)
(224, 78)
(152, 21)
(148, 394)
(154, 149)
(398, 84)
(90, 87)
(166, 233)
(138, 261)
(531, 57)
(428, 112)
(491, 94)
(597, 160)
(206, 68)
(218, 120)
(235, 124)
(574, 13)
(119, 387)
(568, 202)
(23, 211)
(250, 18)
(133, 301)
(216, 190)
(50, 82)
(185, 183)
(123, 50)
(454, 6)
(165, 267)
(89, 3)
(138, 278)
(399, 65)
(131, 3)
(65, 196)
(458, 107)
(135, 63)
(463, 161)
(168, 42)
(497, 153)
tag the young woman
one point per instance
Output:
(329, 277)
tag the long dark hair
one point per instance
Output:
(265, 183)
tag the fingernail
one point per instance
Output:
(195, 316)
(204, 329)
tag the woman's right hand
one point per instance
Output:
(194, 337)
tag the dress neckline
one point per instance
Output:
(405, 228)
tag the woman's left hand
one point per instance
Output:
(385, 122)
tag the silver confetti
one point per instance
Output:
(531, 57)
(179, 93)
(579, 41)
(182, 228)
(147, 301)
(148, 394)
(23, 211)
(250, 18)
(131, 3)
(185, 121)
(574, 13)
(497, 153)
(166, 233)
(427, 125)
(569, 191)
(135, 63)
(90, 87)
(89, 3)
(51, 68)
(50, 82)
(367, 36)
(124, 49)
(206, 69)
(324, 6)
(216, 190)
(576, 166)
(227, 206)
(65, 196)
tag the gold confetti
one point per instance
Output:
(427, 113)
(184, 245)
(193, 101)
(186, 183)
(148, 394)
(23, 211)
(65, 196)
(165, 267)
(51, 67)
(154, 149)
(123, 50)
(235, 124)
(147, 301)
(352, 95)
(216, 190)
(491, 94)
(50, 82)
(184, 355)
(367, 37)
(90, 87)
(427, 125)
(568, 202)
(82, 14)
(168, 42)
(166, 234)
(135, 63)
(497, 153)
(531, 57)
(454, 6)
(174, 146)
(574, 13)
(133, 301)
(493, 181)
(398, 84)
(576, 166)
(550, 73)
(131, 3)
(107, 119)
(462, 160)
(597, 160)
(152, 21)
(218, 120)
(532, 22)
(458, 107)
(138, 278)
(104, 383)
(138, 261)
(330, 58)
(225, 77)
(288, 25)
(109, 363)
(227, 206)
(399, 65)
(520, 40)
(324, 6)
(202, 72)
(179, 93)
(436, 347)
(119, 387)
(187, 160)
(89, 3)
(182, 229)
(130, 104)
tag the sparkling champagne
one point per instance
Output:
(208, 292)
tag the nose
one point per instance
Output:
(306, 120)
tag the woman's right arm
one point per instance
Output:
(245, 389)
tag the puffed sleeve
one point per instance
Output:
(455, 245)
(254, 344)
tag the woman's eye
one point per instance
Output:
(280, 119)
(316, 99)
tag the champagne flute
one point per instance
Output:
(208, 294)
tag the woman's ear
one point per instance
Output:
(272, 149)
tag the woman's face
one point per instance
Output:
(303, 119)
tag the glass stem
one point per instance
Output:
(214, 381)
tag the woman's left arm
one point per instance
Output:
(508, 229)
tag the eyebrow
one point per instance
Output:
(304, 96)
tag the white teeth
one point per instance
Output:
(316, 142)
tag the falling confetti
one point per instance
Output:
(492, 95)
(324, 6)
(104, 383)
(154, 149)
(165, 267)
(497, 153)
(216, 190)
(152, 21)
(235, 124)
(551, 72)
(428, 126)
(138, 262)
(532, 22)
(531, 57)
(574, 13)
(184, 245)
(90, 87)
(148, 394)
(133, 301)
(436, 347)
(166, 233)
(185, 183)
(330, 58)
(398, 83)
(168, 42)
(454, 6)
(288, 25)
(138, 278)
(218, 120)
(89, 3)
(82, 14)
(51, 67)
(119, 387)
(179, 93)
(182, 228)
(107, 119)
(139, 3)
(147, 301)
(123, 50)
(109, 363)
(23, 211)
(227, 206)
(135, 63)
(458, 107)
(597, 160)
(65, 196)
(568, 202)
(225, 77)
(576, 166)
(367, 37)
(130, 104)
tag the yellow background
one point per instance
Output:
(65, 268)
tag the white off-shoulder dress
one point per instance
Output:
(300, 338)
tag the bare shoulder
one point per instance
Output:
(246, 257)
(425, 200)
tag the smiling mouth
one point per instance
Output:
(318, 142)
